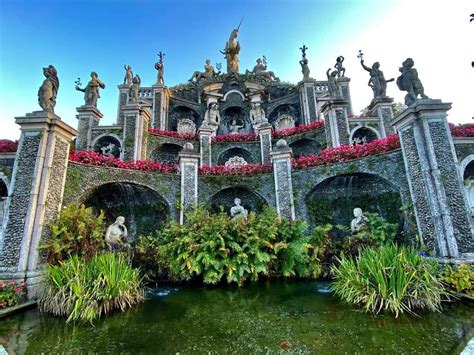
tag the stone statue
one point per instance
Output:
(107, 150)
(212, 115)
(340, 69)
(410, 82)
(332, 85)
(49, 89)
(208, 73)
(91, 91)
(234, 127)
(128, 74)
(115, 233)
(304, 63)
(160, 67)
(377, 80)
(134, 89)
(238, 211)
(359, 222)
(257, 114)
(231, 52)
(469, 187)
(260, 69)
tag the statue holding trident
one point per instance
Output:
(231, 51)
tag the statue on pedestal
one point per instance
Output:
(332, 85)
(359, 222)
(377, 80)
(91, 91)
(257, 114)
(260, 69)
(340, 69)
(212, 115)
(160, 67)
(410, 82)
(115, 233)
(49, 89)
(231, 52)
(304, 63)
(134, 89)
(238, 211)
(208, 73)
(128, 74)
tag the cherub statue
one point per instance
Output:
(359, 222)
(212, 115)
(340, 69)
(160, 67)
(377, 80)
(238, 211)
(91, 91)
(128, 74)
(134, 89)
(49, 89)
(410, 82)
(257, 114)
(332, 85)
(115, 233)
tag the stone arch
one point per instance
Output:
(367, 131)
(233, 91)
(251, 200)
(235, 151)
(166, 153)
(305, 147)
(106, 138)
(144, 209)
(180, 112)
(333, 199)
(464, 171)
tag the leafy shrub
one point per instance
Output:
(86, 289)
(378, 230)
(11, 293)
(393, 278)
(78, 231)
(460, 278)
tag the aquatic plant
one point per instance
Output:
(459, 279)
(84, 290)
(391, 278)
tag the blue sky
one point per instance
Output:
(80, 36)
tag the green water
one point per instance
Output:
(257, 318)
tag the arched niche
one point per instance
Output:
(237, 113)
(334, 199)
(182, 112)
(108, 143)
(305, 147)
(285, 109)
(166, 153)
(361, 135)
(225, 199)
(235, 152)
(144, 209)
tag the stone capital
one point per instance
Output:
(381, 101)
(425, 108)
(334, 103)
(88, 110)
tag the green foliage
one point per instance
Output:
(86, 289)
(460, 279)
(378, 230)
(78, 231)
(393, 278)
(216, 248)
(11, 293)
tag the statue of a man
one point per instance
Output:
(410, 82)
(238, 211)
(377, 80)
(160, 67)
(332, 85)
(91, 91)
(260, 69)
(359, 222)
(257, 114)
(49, 89)
(231, 53)
(134, 89)
(234, 127)
(340, 69)
(212, 115)
(115, 233)
(207, 74)
(128, 74)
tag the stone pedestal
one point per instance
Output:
(36, 193)
(264, 131)
(188, 167)
(135, 131)
(309, 104)
(436, 187)
(160, 107)
(205, 133)
(345, 92)
(382, 108)
(88, 117)
(281, 158)
(122, 101)
(335, 114)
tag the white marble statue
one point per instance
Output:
(234, 127)
(238, 211)
(212, 115)
(115, 233)
(107, 150)
(359, 222)
(257, 114)
(469, 186)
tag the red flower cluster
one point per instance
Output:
(282, 133)
(248, 137)
(174, 134)
(93, 158)
(462, 130)
(7, 146)
(348, 152)
(249, 169)
(11, 293)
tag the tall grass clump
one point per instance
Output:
(84, 290)
(391, 278)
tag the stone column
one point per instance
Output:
(309, 106)
(345, 92)
(281, 157)
(205, 133)
(89, 117)
(122, 101)
(336, 122)
(160, 107)
(135, 131)
(36, 192)
(436, 187)
(264, 131)
(382, 108)
(188, 167)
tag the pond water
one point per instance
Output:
(272, 317)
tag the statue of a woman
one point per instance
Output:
(91, 91)
(359, 222)
(115, 233)
(128, 74)
(238, 211)
(134, 89)
(49, 89)
(212, 115)
(257, 114)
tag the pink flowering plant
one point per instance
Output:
(7, 146)
(282, 133)
(249, 169)
(174, 134)
(462, 130)
(348, 152)
(91, 157)
(247, 137)
(11, 293)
